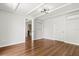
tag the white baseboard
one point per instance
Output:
(12, 44)
(72, 43)
(66, 41)
(61, 40)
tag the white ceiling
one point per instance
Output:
(18, 7)
(30, 10)
(50, 6)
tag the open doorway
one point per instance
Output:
(28, 34)
(29, 31)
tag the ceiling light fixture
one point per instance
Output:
(45, 10)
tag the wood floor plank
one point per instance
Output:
(42, 47)
(62, 51)
(76, 51)
(55, 50)
(46, 51)
(70, 51)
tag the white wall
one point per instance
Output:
(38, 29)
(63, 28)
(72, 29)
(12, 29)
(54, 28)
(62, 24)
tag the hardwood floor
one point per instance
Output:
(42, 47)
